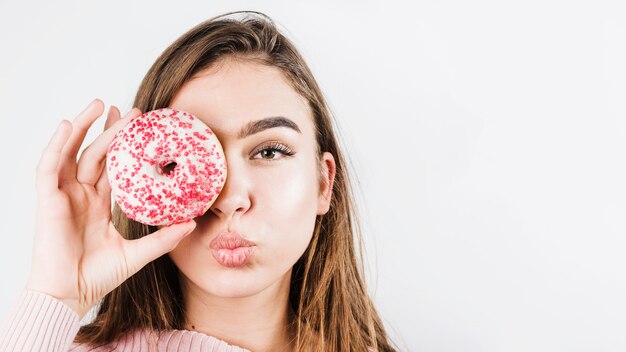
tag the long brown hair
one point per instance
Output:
(333, 310)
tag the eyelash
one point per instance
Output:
(277, 147)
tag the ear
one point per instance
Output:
(326, 183)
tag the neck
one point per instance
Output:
(259, 322)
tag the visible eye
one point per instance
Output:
(269, 151)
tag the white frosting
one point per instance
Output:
(137, 160)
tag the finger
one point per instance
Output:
(141, 251)
(91, 163)
(102, 185)
(47, 167)
(112, 117)
(81, 123)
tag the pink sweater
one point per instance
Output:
(40, 322)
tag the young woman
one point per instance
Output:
(159, 288)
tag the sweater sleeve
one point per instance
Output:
(38, 322)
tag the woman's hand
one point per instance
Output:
(78, 255)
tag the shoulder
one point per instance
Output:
(137, 340)
(83, 347)
(38, 321)
(166, 340)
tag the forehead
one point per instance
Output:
(231, 94)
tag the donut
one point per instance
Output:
(165, 167)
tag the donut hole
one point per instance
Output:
(167, 169)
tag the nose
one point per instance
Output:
(234, 199)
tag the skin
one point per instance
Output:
(270, 198)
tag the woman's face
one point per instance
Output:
(270, 197)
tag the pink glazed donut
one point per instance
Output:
(165, 167)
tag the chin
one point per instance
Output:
(239, 283)
(236, 282)
(231, 291)
(229, 283)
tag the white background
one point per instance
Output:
(488, 137)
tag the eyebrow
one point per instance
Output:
(267, 123)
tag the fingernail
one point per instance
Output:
(59, 126)
(136, 111)
(191, 225)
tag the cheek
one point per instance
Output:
(285, 199)
(282, 219)
(285, 194)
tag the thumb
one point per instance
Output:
(141, 251)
